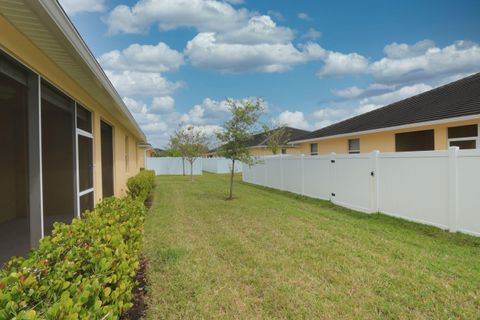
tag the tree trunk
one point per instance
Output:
(183, 165)
(191, 170)
(230, 197)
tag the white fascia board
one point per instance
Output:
(56, 13)
(406, 126)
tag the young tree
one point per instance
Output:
(194, 145)
(174, 146)
(188, 143)
(236, 132)
(275, 137)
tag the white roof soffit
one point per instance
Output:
(46, 24)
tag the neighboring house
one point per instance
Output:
(258, 144)
(433, 120)
(67, 138)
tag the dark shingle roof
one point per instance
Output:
(456, 99)
(290, 134)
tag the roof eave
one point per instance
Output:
(406, 126)
(59, 17)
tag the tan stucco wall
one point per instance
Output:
(382, 141)
(23, 50)
(268, 152)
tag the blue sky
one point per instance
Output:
(313, 62)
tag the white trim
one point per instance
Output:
(83, 132)
(84, 192)
(42, 223)
(472, 138)
(88, 135)
(77, 169)
(407, 126)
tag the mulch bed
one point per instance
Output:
(139, 292)
(139, 306)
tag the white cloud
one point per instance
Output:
(413, 64)
(350, 92)
(135, 106)
(312, 34)
(235, 2)
(374, 102)
(403, 50)
(205, 51)
(194, 116)
(304, 16)
(215, 106)
(142, 83)
(163, 104)
(229, 39)
(405, 64)
(327, 116)
(337, 63)
(204, 15)
(258, 30)
(145, 58)
(276, 14)
(294, 119)
(356, 92)
(149, 122)
(73, 7)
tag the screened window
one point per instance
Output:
(58, 157)
(85, 159)
(284, 150)
(14, 191)
(354, 145)
(415, 141)
(85, 162)
(84, 119)
(313, 149)
(463, 132)
(464, 137)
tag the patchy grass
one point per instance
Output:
(271, 254)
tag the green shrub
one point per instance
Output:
(84, 270)
(140, 186)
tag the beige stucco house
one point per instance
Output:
(67, 138)
(258, 145)
(434, 120)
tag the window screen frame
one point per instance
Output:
(353, 151)
(431, 133)
(476, 139)
(89, 135)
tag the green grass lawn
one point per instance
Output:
(269, 254)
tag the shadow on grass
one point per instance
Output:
(381, 219)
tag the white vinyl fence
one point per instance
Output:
(220, 165)
(440, 188)
(172, 165)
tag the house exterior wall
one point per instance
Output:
(267, 152)
(382, 141)
(23, 50)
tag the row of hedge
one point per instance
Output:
(84, 270)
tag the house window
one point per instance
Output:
(313, 149)
(126, 153)
(284, 150)
(415, 141)
(464, 137)
(85, 159)
(354, 145)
